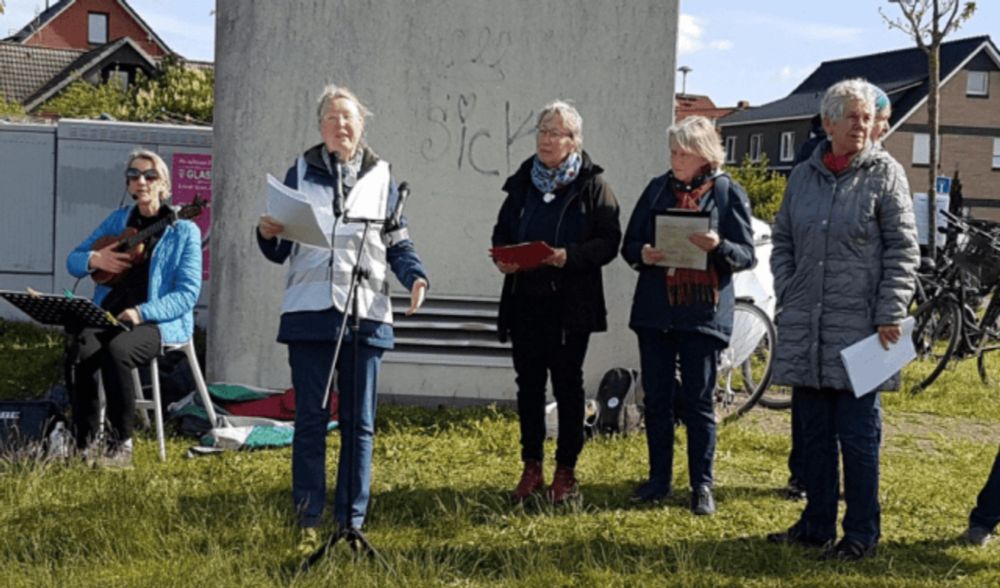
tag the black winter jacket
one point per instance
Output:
(588, 229)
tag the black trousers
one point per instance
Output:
(114, 353)
(542, 348)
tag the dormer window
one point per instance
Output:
(97, 28)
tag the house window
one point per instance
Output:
(977, 83)
(921, 149)
(755, 143)
(996, 153)
(788, 146)
(730, 149)
(97, 28)
(118, 78)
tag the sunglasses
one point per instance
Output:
(133, 173)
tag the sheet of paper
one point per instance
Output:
(672, 230)
(304, 221)
(920, 204)
(868, 364)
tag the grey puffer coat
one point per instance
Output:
(844, 261)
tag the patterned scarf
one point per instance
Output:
(549, 180)
(687, 287)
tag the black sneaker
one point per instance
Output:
(793, 536)
(702, 502)
(850, 550)
(650, 491)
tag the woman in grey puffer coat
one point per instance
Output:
(844, 260)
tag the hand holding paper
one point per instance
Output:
(301, 219)
(869, 363)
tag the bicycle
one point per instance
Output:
(745, 365)
(946, 324)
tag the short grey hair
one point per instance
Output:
(158, 164)
(571, 120)
(838, 95)
(697, 135)
(334, 92)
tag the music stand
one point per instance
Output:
(58, 309)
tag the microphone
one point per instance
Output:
(397, 213)
(338, 197)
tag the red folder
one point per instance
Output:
(525, 255)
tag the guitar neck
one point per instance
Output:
(148, 232)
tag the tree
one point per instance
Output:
(8, 107)
(765, 188)
(176, 94)
(928, 22)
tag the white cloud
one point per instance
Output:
(689, 37)
(788, 73)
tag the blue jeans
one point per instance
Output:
(698, 357)
(987, 511)
(310, 363)
(829, 416)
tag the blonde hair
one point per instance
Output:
(697, 135)
(571, 120)
(163, 183)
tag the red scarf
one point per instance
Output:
(686, 287)
(837, 163)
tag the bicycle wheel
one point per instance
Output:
(935, 335)
(988, 355)
(745, 366)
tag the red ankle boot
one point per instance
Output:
(532, 480)
(564, 486)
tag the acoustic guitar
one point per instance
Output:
(133, 241)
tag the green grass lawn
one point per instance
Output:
(439, 514)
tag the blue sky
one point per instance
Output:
(738, 50)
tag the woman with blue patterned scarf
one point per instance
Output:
(557, 196)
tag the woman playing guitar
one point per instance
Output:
(152, 286)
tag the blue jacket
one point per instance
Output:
(323, 325)
(174, 274)
(651, 308)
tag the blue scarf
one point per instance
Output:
(549, 180)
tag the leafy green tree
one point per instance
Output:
(764, 187)
(8, 107)
(85, 100)
(176, 94)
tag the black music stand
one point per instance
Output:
(58, 309)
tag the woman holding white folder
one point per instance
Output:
(844, 261)
(351, 181)
(683, 316)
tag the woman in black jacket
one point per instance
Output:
(683, 317)
(557, 196)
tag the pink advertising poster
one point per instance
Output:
(192, 176)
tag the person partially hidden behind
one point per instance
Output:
(156, 297)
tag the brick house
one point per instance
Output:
(969, 112)
(686, 105)
(92, 40)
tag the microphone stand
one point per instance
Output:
(348, 533)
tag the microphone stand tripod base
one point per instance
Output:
(354, 539)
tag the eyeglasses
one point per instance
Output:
(554, 133)
(134, 173)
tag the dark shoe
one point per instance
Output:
(564, 486)
(794, 491)
(532, 480)
(793, 536)
(702, 502)
(650, 491)
(850, 550)
(977, 536)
